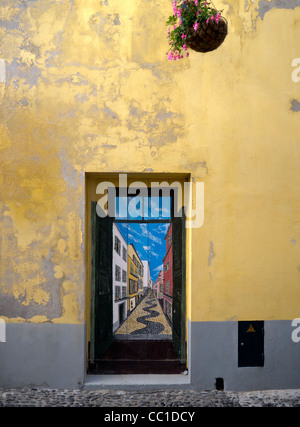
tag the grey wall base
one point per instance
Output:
(43, 355)
(53, 356)
(214, 354)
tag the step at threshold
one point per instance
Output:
(136, 381)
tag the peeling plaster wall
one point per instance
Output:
(86, 87)
(265, 6)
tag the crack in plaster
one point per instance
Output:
(211, 253)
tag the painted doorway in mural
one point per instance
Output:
(138, 291)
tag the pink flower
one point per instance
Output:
(184, 47)
(212, 17)
(207, 21)
(183, 36)
(196, 2)
(187, 55)
(205, 3)
(177, 12)
(195, 26)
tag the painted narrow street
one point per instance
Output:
(146, 319)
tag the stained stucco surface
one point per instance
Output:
(86, 87)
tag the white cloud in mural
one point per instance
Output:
(145, 232)
(158, 268)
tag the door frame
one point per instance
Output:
(92, 178)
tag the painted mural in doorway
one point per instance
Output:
(142, 281)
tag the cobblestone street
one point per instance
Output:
(147, 318)
(154, 398)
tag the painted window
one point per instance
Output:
(124, 254)
(117, 273)
(117, 245)
(117, 292)
(168, 287)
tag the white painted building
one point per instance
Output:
(147, 282)
(119, 278)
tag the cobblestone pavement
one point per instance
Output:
(155, 398)
(146, 318)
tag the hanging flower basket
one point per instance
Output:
(209, 36)
(196, 24)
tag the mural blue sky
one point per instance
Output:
(149, 241)
(148, 238)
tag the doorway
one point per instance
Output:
(138, 288)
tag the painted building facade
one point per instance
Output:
(119, 278)
(135, 277)
(86, 93)
(168, 276)
(159, 287)
(147, 282)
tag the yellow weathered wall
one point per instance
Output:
(87, 88)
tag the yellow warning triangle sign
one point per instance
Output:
(251, 329)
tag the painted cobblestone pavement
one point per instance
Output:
(146, 319)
